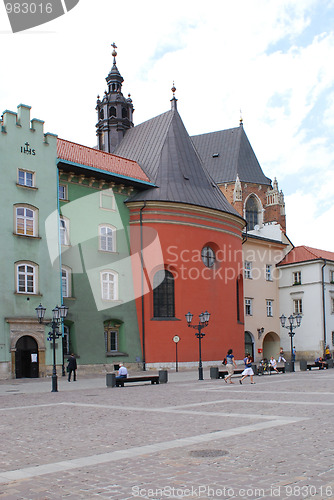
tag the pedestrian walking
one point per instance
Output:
(230, 364)
(248, 371)
(72, 367)
(281, 356)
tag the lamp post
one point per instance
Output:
(58, 314)
(203, 322)
(294, 322)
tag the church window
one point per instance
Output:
(208, 256)
(26, 221)
(101, 114)
(124, 113)
(112, 111)
(163, 295)
(252, 212)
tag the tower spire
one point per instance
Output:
(173, 100)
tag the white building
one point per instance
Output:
(307, 287)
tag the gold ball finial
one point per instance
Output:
(173, 89)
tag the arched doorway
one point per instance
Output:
(26, 357)
(249, 344)
(271, 345)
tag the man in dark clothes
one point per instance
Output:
(72, 366)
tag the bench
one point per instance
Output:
(224, 373)
(270, 369)
(314, 365)
(154, 379)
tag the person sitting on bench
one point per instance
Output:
(122, 372)
(273, 364)
(320, 362)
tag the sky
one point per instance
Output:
(269, 61)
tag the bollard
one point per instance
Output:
(330, 363)
(214, 372)
(303, 365)
(163, 376)
(289, 367)
(111, 380)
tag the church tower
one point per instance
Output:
(114, 111)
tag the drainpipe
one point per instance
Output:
(142, 285)
(324, 301)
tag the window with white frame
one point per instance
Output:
(66, 281)
(26, 277)
(269, 276)
(64, 225)
(26, 178)
(249, 307)
(109, 285)
(107, 238)
(62, 192)
(107, 199)
(269, 304)
(297, 278)
(111, 339)
(26, 220)
(248, 269)
(298, 306)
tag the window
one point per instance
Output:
(331, 276)
(25, 178)
(298, 306)
(25, 277)
(107, 238)
(248, 307)
(25, 221)
(269, 304)
(269, 272)
(109, 285)
(297, 278)
(66, 341)
(66, 281)
(111, 339)
(64, 231)
(107, 199)
(163, 295)
(332, 302)
(62, 192)
(248, 270)
(251, 213)
(208, 256)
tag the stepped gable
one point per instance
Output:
(305, 254)
(228, 153)
(164, 150)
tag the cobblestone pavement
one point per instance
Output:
(185, 439)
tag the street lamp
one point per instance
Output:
(294, 322)
(203, 322)
(58, 314)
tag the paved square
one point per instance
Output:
(185, 439)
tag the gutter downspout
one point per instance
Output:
(324, 302)
(142, 285)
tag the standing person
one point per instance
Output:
(281, 356)
(72, 366)
(327, 353)
(230, 364)
(122, 372)
(248, 369)
(293, 354)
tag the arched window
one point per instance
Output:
(124, 113)
(109, 285)
(112, 111)
(26, 220)
(252, 213)
(101, 114)
(64, 225)
(66, 281)
(107, 238)
(208, 256)
(163, 295)
(26, 277)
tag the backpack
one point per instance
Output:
(224, 361)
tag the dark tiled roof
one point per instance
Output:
(227, 153)
(164, 150)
